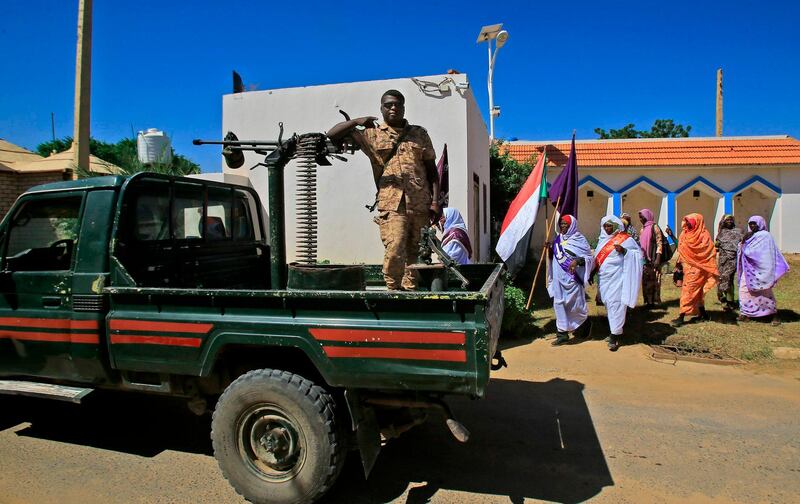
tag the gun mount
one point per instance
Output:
(435, 274)
(312, 150)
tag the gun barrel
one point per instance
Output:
(238, 143)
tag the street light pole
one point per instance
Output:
(488, 34)
(491, 93)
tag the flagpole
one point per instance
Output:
(544, 250)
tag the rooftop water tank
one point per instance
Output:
(154, 146)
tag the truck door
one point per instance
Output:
(37, 326)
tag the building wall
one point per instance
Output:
(478, 159)
(8, 191)
(14, 184)
(346, 232)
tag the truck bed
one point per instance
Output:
(431, 341)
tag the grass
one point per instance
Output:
(751, 341)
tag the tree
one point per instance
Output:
(662, 128)
(122, 154)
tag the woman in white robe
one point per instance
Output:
(618, 264)
(567, 277)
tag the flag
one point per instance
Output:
(443, 169)
(515, 234)
(565, 186)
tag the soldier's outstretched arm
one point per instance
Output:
(342, 129)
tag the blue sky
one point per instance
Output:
(567, 65)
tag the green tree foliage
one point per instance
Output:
(122, 154)
(662, 128)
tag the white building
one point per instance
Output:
(443, 104)
(743, 176)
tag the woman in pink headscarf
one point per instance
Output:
(650, 241)
(759, 267)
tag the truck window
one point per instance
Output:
(218, 219)
(242, 221)
(188, 211)
(152, 209)
(43, 233)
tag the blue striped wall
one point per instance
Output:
(672, 195)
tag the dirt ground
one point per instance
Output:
(561, 424)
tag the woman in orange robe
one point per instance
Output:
(698, 256)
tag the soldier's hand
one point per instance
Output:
(435, 212)
(366, 121)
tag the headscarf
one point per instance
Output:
(696, 246)
(574, 241)
(455, 229)
(722, 221)
(728, 239)
(647, 232)
(604, 237)
(759, 258)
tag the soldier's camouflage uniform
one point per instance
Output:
(404, 196)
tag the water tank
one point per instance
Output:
(154, 146)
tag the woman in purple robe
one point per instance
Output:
(759, 266)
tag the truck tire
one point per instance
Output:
(275, 438)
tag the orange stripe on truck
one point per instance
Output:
(152, 325)
(395, 353)
(379, 336)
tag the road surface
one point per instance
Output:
(565, 424)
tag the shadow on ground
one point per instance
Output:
(529, 440)
(130, 423)
(515, 450)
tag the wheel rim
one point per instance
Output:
(270, 443)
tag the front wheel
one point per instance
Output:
(275, 438)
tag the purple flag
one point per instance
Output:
(443, 169)
(565, 186)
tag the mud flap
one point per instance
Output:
(365, 423)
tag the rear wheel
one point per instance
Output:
(275, 437)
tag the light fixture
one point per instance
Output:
(444, 86)
(500, 36)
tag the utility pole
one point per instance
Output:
(719, 102)
(83, 86)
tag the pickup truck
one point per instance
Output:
(162, 285)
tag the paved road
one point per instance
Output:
(564, 424)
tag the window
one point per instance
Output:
(151, 207)
(485, 211)
(187, 214)
(43, 234)
(242, 221)
(218, 218)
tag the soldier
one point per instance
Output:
(404, 168)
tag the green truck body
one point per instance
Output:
(162, 284)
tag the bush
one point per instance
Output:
(516, 320)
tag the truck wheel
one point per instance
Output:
(275, 437)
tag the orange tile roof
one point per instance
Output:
(721, 151)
